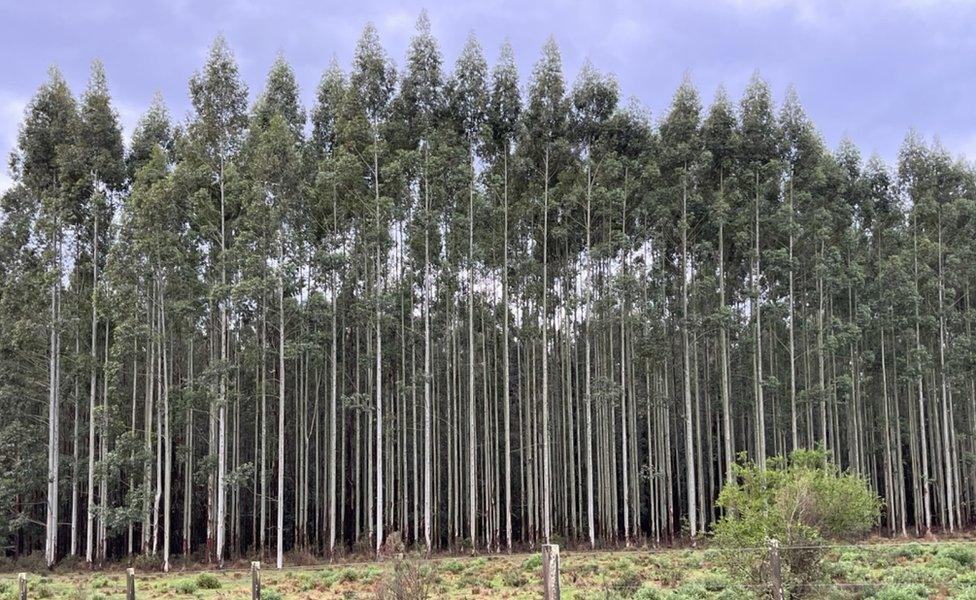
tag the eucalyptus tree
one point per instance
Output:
(594, 99)
(372, 82)
(219, 100)
(719, 136)
(681, 152)
(420, 105)
(328, 239)
(100, 146)
(47, 165)
(801, 150)
(504, 108)
(467, 98)
(274, 146)
(545, 154)
(758, 132)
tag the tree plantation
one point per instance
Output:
(448, 308)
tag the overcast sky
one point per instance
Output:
(867, 69)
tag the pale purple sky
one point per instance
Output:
(868, 69)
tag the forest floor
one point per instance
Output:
(882, 569)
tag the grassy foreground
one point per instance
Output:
(886, 571)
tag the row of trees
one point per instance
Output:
(442, 306)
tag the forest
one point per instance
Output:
(450, 309)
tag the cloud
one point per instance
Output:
(804, 11)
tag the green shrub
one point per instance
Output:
(627, 583)
(650, 593)
(711, 582)
(147, 562)
(964, 557)
(967, 580)
(207, 581)
(407, 580)
(903, 592)
(452, 566)
(800, 501)
(514, 579)
(931, 575)
(910, 550)
(269, 594)
(533, 563)
(185, 586)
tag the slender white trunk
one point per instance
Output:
(280, 549)
(92, 385)
(472, 447)
(428, 445)
(546, 450)
(222, 398)
(689, 429)
(54, 383)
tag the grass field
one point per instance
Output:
(887, 571)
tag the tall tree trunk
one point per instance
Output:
(686, 357)
(280, 547)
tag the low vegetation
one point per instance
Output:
(878, 569)
(803, 502)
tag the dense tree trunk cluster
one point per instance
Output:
(474, 316)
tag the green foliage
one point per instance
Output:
(533, 563)
(903, 592)
(801, 502)
(185, 586)
(964, 557)
(514, 579)
(207, 581)
(407, 580)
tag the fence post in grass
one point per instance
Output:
(550, 571)
(130, 584)
(775, 572)
(22, 584)
(256, 580)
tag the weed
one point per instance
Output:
(207, 581)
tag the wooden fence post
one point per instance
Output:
(22, 584)
(130, 584)
(775, 572)
(256, 580)
(550, 571)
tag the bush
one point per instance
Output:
(208, 581)
(147, 562)
(533, 563)
(406, 581)
(186, 586)
(903, 592)
(626, 584)
(32, 563)
(962, 556)
(452, 566)
(514, 579)
(269, 594)
(800, 501)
